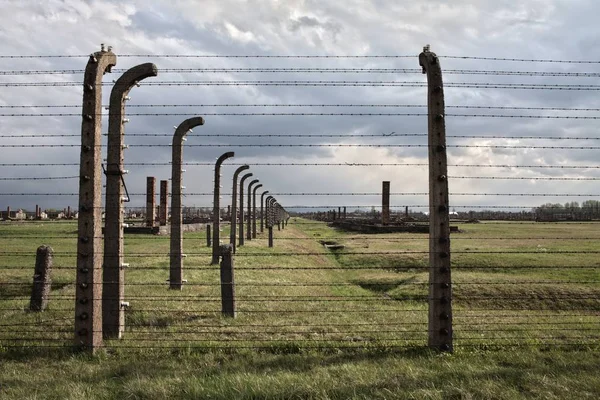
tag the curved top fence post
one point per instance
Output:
(113, 316)
(217, 207)
(176, 248)
(234, 192)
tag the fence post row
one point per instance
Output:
(113, 315)
(176, 248)
(249, 218)
(254, 210)
(440, 283)
(88, 292)
(262, 209)
(234, 194)
(217, 207)
(241, 233)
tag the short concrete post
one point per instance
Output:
(254, 210)
(227, 281)
(208, 239)
(385, 203)
(150, 200)
(440, 282)
(42, 280)
(164, 203)
(249, 218)
(234, 211)
(262, 214)
(176, 244)
(217, 207)
(88, 292)
(241, 233)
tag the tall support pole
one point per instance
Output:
(150, 200)
(164, 203)
(241, 233)
(262, 214)
(254, 210)
(113, 313)
(249, 217)
(217, 208)
(440, 282)
(176, 248)
(234, 212)
(385, 203)
(88, 292)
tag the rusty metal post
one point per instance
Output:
(217, 207)
(234, 212)
(262, 214)
(241, 233)
(42, 280)
(164, 203)
(227, 281)
(176, 247)
(88, 292)
(249, 217)
(208, 238)
(440, 282)
(385, 203)
(254, 210)
(150, 200)
(113, 313)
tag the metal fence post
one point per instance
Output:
(262, 214)
(88, 292)
(440, 283)
(217, 207)
(227, 281)
(113, 315)
(42, 280)
(176, 247)
(241, 233)
(249, 218)
(254, 210)
(234, 212)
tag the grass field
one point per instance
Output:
(315, 323)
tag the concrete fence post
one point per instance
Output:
(227, 281)
(42, 280)
(385, 203)
(113, 313)
(234, 211)
(208, 238)
(176, 244)
(249, 218)
(262, 214)
(150, 200)
(164, 203)
(440, 282)
(254, 210)
(88, 292)
(217, 207)
(241, 233)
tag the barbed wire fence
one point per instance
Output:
(320, 269)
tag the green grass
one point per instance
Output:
(315, 323)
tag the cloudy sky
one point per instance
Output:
(465, 34)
